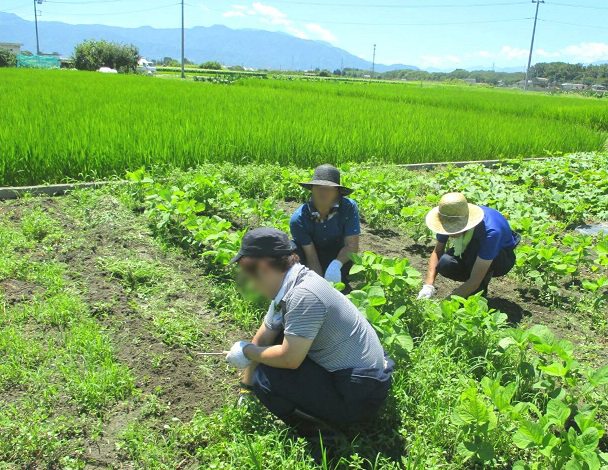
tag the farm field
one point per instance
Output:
(66, 125)
(108, 296)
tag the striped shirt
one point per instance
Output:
(311, 308)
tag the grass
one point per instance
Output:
(101, 319)
(60, 125)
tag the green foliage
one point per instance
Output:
(211, 65)
(7, 58)
(91, 55)
(285, 122)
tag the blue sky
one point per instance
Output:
(425, 33)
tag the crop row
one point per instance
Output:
(524, 401)
(59, 125)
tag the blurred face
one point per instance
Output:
(264, 279)
(323, 197)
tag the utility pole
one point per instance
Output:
(374, 61)
(183, 42)
(36, 21)
(538, 2)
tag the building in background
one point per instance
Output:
(14, 47)
(573, 86)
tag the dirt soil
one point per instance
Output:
(188, 382)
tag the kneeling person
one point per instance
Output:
(315, 357)
(483, 245)
(327, 228)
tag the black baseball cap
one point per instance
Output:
(265, 242)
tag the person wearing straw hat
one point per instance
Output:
(483, 245)
(326, 229)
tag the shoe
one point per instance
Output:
(310, 427)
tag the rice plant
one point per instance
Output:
(61, 125)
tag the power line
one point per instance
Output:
(23, 5)
(594, 7)
(316, 20)
(85, 3)
(356, 5)
(115, 13)
(572, 24)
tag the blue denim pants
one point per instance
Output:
(344, 396)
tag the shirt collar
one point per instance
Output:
(288, 282)
(315, 215)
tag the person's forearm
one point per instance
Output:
(466, 288)
(344, 254)
(273, 356)
(316, 267)
(431, 274)
(259, 339)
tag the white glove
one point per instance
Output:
(333, 272)
(427, 291)
(236, 356)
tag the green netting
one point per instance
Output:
(37, 61)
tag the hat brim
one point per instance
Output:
(293, 249)
(236, 259)
(343, 189)
(453, 225)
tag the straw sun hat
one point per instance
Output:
(453, 215)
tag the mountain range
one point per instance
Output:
(249, 47)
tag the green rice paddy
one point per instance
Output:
(62, 125)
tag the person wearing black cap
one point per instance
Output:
(315, 359)
(326, 228)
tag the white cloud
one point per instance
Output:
(320, 31)
(513, 53)
(268, 14)
(544, 53)
(484, 54)
(271, 14)
(587, 51)
(232, 13)
(297, 33)
(439, 61)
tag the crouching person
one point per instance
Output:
(315, 359)
(483, 245)
(326, 229)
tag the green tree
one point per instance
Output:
(211, 65)
(7, 58)
(92, 54)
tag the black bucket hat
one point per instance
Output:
(327, 175)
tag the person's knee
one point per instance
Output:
(262, 381)
(445, 266)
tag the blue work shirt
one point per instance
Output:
(493, 234)
(343, 222)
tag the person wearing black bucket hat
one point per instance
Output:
(315, 360)
(326, 229)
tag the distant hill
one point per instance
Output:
(248, 47)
